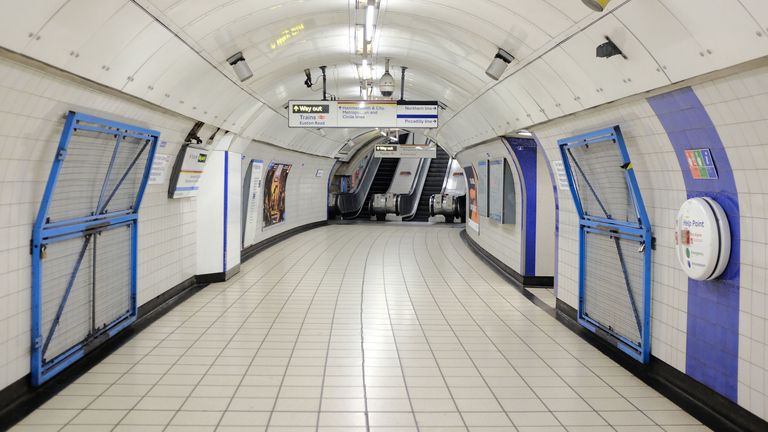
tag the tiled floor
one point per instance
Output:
(383, 327)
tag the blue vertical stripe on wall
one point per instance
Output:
(226, 204)
(525, 153)
(712, 351)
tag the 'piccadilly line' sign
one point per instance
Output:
(362, 114)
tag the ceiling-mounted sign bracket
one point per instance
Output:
(363, 114)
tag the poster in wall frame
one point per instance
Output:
(496, 190)
(482, 187)
(502, 198)
(275, 185)
(252, 192)
(473, 217)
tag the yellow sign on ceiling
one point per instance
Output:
(286, 35)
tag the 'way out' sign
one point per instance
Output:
(362, 114)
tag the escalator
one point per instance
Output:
(433, 184)
(380, 184)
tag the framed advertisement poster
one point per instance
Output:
(482, 187)
(275, 183)
(496, 190)
(473, 217)
(501, 192)
(252, 190)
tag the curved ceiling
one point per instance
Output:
(173, 53)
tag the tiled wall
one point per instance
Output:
(33, 102)
(738, 107)
(504, 241)
(306, 196)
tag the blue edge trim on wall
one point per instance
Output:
(226, 205)
(524, 151)
(712, 352)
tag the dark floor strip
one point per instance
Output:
(506, 273)
(20, 399)
(710, 408)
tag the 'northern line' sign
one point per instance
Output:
(362, 114)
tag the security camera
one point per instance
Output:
(499, 64)
(308, 81)
(387, 82)
(238, 63)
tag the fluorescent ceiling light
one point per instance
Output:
(369, 20)
(366, 70)
(359, 39)
(523, 132)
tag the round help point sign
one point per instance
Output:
(702, 238)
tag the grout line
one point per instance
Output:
(553, 340)
(192, 315)
(145, 355)
(227, 286)
(362, 329)
(330, 335)
(394, 337)
(266, 334)
(458, 338)
(418, 319)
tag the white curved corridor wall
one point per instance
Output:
(33, 101)
(736, 103)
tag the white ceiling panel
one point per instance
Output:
(665, 37)
(96, 53)
(727, 33)
(69, 28)
(21, 21)
(173, 53)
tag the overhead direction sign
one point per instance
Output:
(363, 114)
(312, 114)
(416, 114)
(404, 151)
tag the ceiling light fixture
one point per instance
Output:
(238, 63)
(499, 64)
(366, 70)
(525, 133)
(370, 15)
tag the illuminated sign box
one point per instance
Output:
(363, 114)
(404, 151)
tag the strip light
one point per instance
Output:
(369, 20)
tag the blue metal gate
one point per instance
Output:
(84, 240)
(615, 240)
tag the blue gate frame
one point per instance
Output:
(640, 231)
(45, 232)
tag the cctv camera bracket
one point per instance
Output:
(325, 87)
(236, 58)
(402, 82)
(620, 52)
(505, 56)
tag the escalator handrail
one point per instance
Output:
(411, 200)
(447, 175)
(349, 202)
